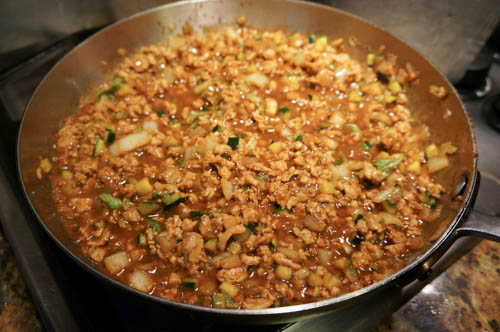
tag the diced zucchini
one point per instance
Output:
(218, 300)
(172, 200)
(358, 218)
(283, 272)
(355, 97)
(389, 206)
(229, 288)
(230, 302)
(242, 237)
(414, 167)
(211, 245)
(154, 225)
(99, 224)
(327, 187)
(113, 203)
(99, 147)
(141, 239)
(298, 138)
(148, 208)
(382, 77)
(431, 151)
(189, 285)
(110, 136)
(320, 43)
(195, 215)
(389, 99)
(285, 112)
(143, 187)
(233, 142)
(366, 146)
(66, 174)
(279, 210)
(395, 87)
(370, 59)
(234, 247)
(428, 200)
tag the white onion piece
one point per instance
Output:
(435, 164)
(257, 79)
(227, 189)
(252, 143)
(141, 280)
(150, 125)
(383, 195)
(314, 224)
(116, 262)
(129, 143)
(389, 218)
(340, 171)
(324, 256)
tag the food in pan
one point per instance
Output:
(246, 168)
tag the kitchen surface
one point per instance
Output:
(44, 290)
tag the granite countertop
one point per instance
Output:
(466, 297)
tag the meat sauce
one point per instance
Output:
(248, 168)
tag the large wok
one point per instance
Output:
(58, 95)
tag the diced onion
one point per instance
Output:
(314, 224)
(340, 171)
(227, 189)
(252, 143)
(150, 125)
(435, 164)
(257, 79)
(389, 218)
(116, 262)
(290, 253)
(129, 143)
(383, 195)
(141, 280)
(324, 256)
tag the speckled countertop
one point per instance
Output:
(466, 297)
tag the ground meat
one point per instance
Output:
(269, 165)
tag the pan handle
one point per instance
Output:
(481, 225)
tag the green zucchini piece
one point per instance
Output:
(172, 200)
(218, 300)
(141, 239)
(99, 147)
(154, 225)
(113, 203)
(189, 285)
(110, 136)
(148, 208)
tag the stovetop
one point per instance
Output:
(68, 298)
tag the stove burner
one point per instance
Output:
(476, 84)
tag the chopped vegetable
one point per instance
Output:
(229, 288)
(129, 143)
(298, 138)
(66, 174)
(271, 107)
(366, 146)
(311, 39)
(262, 176)
(428, 200)
(141, 239)
(327, 187)
(218, 300)
(143, 187)
(154, 225)
(110, 136)
(382, 77)
(280, 210)
(385, 166)
(161, 113)
(435, 164)
(358, 218)
(148, 208)
(116, 262)
(211, 244)
(431, 151)
(395, 87)
(99, 147)
(283, 272)
(189, 285)
(389, 206)
(356, 239)
(216, 128)
(370, 59)
(172, 200)
(155, 196)
(233, 142)
(340, 160)
(414, 167)
(310, 97)
(110, 92)
(196, 214)
(141, 280)
(113, 203)
(242, 237)
(275, 147)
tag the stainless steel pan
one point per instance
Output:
(58, 94)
